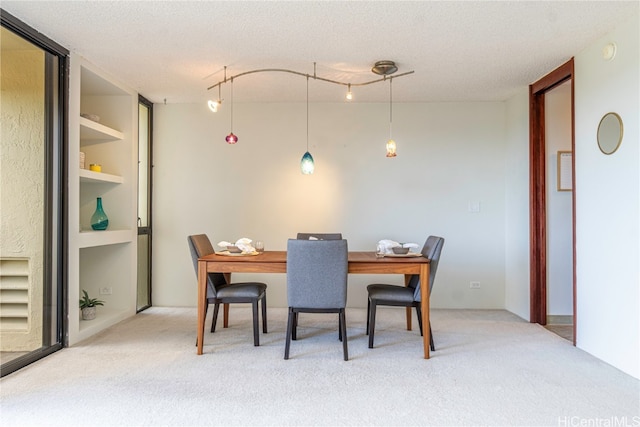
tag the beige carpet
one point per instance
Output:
(490, 368)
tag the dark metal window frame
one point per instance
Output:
(148, 229)
(56, 194)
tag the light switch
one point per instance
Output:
(474, 207)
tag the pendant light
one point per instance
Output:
(391, 144)
(231, 138)
(214, 105)
(306, 164)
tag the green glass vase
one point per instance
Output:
(99, 219)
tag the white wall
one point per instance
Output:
(607, 203)
(449, 154)
(517, 205)
(559, 204)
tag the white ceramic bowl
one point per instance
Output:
(399, 250)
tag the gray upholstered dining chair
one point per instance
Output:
(319, 236)
(316, 283)
(221, 292)
(405, 296)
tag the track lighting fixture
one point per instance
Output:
(214, 105)
(382, 68)
(349, 93)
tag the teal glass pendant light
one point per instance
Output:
(307, 164)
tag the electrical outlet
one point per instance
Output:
(106, 290)
(474, 285)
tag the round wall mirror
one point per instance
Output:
(610, 133)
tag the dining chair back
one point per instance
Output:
(219, 291)
(405, 296)
(316, 283)
(431, 250)
(319, 236)
(199, 246)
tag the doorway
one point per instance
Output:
(539, 221)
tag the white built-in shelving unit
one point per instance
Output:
(101, 262)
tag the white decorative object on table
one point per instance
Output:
(386, 246)
(244, 244)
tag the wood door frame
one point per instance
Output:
(537, 191)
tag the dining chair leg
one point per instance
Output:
(225, 315)
(372, 323)
(433, 347)
(256, 330)
(264, 314)
(339, 327)
(431, 344)
(343, 329)
(294, 331)
(366, 331)
(287, 344)
(216, 308)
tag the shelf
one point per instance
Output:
(106, 258)
(91, 131)
(93, 177)
(89, 239)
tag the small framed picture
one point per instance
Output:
(565, 171)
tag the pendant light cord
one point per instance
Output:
(231, 104)
(307, 114)
(390, 107)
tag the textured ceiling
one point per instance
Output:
(460, 51)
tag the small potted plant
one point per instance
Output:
(88, 306)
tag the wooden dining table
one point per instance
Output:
(276, 262)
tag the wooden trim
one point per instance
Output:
(537, 191)
(537, 208)
(573, 201)
(554, 78)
